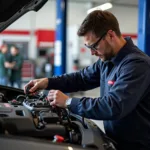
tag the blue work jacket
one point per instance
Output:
(124, 102)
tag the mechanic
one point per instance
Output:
(123, 73)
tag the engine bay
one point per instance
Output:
(32, 116)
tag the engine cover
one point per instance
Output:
(21, 121)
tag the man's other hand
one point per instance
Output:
(57, 98)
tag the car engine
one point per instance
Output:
(32, 116)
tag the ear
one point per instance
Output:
(111, 34)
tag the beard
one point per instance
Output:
(108, 53)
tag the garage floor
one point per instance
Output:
(91, 93)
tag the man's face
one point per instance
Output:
(13, 51)
(99, 46)
(4, 49)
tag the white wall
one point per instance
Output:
(127, 17)
(24, 23)
(45, 17)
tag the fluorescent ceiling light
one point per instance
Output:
(101, 7)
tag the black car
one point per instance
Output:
(29, 122)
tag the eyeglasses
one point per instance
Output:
(94, 45)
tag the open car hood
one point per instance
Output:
(11, 10)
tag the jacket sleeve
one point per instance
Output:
(129, 88)
(79, 81)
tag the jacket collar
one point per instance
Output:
(124, 51)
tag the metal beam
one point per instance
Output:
(60, 43)
(144, 26)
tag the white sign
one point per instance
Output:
(58, 49)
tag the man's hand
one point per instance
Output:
(57, 98)
(36, 85)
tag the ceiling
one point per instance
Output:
(130, 3)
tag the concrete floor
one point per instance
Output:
(91, 93)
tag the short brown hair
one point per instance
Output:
(99, 22)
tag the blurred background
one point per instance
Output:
(34, 35)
